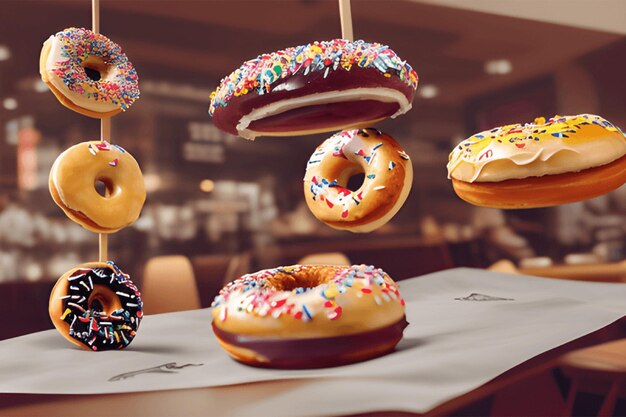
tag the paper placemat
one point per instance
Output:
(467, 326)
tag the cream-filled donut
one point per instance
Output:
(88, 73)
(72, 186)
(319, 87)
(306, 316)
(388, 175)
(561, 160)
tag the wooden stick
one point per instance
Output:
(95, 16)
(105, 133)
(345, 14)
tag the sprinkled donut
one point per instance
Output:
(306, 316)
(319, 87)
(88, 73)
(72, 180)
(545, 163)
(388, 175)
(96, 306)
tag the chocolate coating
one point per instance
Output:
(318, 352)
(318, 116)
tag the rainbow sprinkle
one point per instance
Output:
(254, 294)
(78, 44)
(258, 75)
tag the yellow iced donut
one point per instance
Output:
(72, 185)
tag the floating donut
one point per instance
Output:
(309, 316)
(72, 186)
(388, 175)
(88, 73)
(563, 160)
(96, 306)
(319, 87)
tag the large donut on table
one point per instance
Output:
(388, 175)
(96, 306)
(319, 87)
(88, 73)
(72, 186)
(545, 163)
(309, 316)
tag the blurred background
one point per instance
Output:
(234, 206)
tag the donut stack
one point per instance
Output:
(323, 87)
(94, 305)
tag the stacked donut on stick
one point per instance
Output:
(94, 305)
(306, 316)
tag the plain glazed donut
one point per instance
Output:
(319, 87)
(563, 160)
(309, 316)
(88, 73)
(96, 306)
(388, 175)
(72, 186)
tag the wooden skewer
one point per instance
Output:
(345, 14)
(105, 133)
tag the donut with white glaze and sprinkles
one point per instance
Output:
(306, 316)
(546, 163)
(388, 175)
(318, 87)
(96, 306)
(88, 73)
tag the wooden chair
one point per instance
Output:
(597, 367)
(330, 258)
(169, 284)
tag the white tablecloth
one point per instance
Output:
(466, 327)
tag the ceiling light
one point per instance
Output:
(39, 86)
(207, 185)
(9, 103)
(428, 91)
(498, 66)
(5, 53)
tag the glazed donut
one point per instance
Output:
(563, 160)
(388, 175)
(319, 87)
(88, 73)
(72, 180)
(96, 306)
(309, 316)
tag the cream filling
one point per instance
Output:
(538, 160)
(79, 99)
(385, 95)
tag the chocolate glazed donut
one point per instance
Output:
(319, 87)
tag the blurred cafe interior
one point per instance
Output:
(231, 206)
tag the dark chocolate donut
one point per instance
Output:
(319, 87)
(96, 306)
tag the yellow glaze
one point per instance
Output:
(559, 145)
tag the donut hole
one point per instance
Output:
(302, 279)
(103, 186)
(95, 68)
(356, 181)
(103, 300)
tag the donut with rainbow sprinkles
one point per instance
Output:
(546, 163)
(306, 316)
(88, 73)
(318, 87)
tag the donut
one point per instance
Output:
(388, 175)
(319, 87)
(306, 316)
(72, 180)
(545, 163)
(96, 306)
(88, 73)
